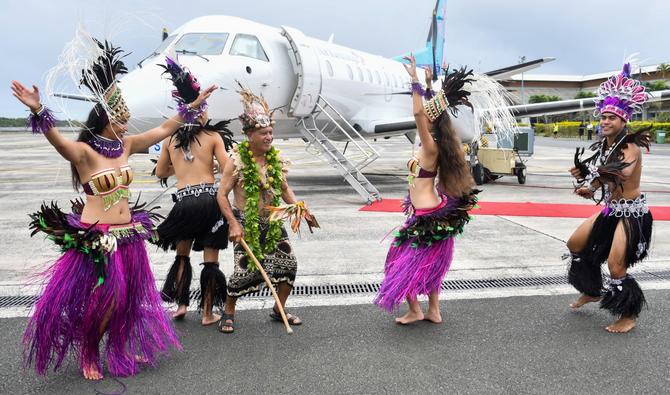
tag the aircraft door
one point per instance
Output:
(308, 69)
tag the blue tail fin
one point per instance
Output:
(432, 55)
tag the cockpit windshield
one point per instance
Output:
(164, 44)
(201, 43)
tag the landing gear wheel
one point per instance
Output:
(478, 173)
(521, 174)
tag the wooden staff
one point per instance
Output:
(269, 284)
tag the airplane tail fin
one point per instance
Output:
(432, 55)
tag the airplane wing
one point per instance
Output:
(506, 72)
(575, 105)
(74, 96)
(407, 126)
(399, 126)
(390, 126)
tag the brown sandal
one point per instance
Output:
(223, 323)
(292, 319)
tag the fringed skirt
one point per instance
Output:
(101, 284)
(281, 265)
(195, 216)
(422, 250)
(584, 272)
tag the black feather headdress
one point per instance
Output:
(452, 94)
(100, 78)
(187, 89)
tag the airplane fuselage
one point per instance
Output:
(288, 68)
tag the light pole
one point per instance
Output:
(522, 59)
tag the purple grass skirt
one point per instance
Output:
(69, 313)
(412, 270)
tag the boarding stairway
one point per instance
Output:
(319, 129)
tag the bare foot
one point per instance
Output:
(410, 317)
(584, 299)
(210, 319)
(433, 316)
(622, 325)
(91, 372)
(180, 313)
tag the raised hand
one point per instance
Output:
(29, 97)
(429, 75)
(204, 95)
(411, 67)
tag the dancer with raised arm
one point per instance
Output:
(195, 221)
(102, 283)
(441, 192)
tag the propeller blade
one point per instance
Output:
(434, 41)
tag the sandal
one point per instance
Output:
(223, 323)
(292, 319)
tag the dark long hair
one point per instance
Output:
(95, 123)
(453, 172)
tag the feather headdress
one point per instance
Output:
(620, 95)
(257, 113)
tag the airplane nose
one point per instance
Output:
(145, 93)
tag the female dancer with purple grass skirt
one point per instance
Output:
(423, 248)
(103, 282)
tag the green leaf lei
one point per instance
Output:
(252, 185)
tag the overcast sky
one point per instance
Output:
(586, 36)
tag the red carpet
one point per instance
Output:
(660, 213)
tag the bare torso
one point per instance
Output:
(94, 209)
(631, 184)
(265, 195)
(201, 168)
(422, 191)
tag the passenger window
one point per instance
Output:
(350, 72)
(200, 44)
(359, 72)
(249, 46)
(330, 68)
(369, 75)
(378, 80)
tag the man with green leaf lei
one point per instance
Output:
(257, 176)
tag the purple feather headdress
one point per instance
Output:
(187, 89)
(620, 95)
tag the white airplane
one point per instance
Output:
(323, 92)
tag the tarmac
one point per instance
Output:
(520, 339)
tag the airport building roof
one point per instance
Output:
(579, 78)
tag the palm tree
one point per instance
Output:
(663, 68)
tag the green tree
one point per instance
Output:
(656, 85)
(585, 94)
(663, 68)
(543, 98)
